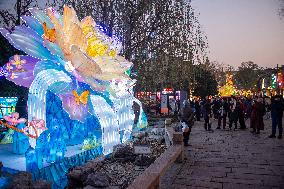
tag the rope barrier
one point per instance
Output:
(21, 131)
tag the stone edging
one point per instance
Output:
(150, 178)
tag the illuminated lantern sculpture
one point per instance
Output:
(280, 80)
(78, 83)
(228, 89)
(274, 81)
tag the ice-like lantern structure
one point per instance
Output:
(78, 83)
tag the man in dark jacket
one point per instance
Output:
(234, 112)
(207, 114)
(241, 114)
(222, 113)
(276, 115)
(187, 116)
(197, 109)
(215, 108)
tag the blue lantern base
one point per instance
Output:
(10, 159)
(17, 162)
(54, 172)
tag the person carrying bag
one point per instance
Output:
(187, 119)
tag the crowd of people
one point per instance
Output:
(232, 112)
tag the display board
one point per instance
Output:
(7, 105)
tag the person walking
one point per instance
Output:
(197, 109)
(215, 107)
(233, 113)
(276, 115)
(241, 114)
(222, 113)
(207, 114)
(248, 107)
(202, 102)
(258, 111)
(186, 116)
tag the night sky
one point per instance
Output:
(243, 30)
(237, 30)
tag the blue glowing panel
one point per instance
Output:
(125, 115)
(73, 131)
(62, 131)
(37, 94)
(108, 121)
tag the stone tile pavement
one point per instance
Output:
(229, 160)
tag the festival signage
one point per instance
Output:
(7, 105)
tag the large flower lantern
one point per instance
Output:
(78, 83)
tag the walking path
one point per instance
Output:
(229, 160)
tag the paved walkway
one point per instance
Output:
(229, 159)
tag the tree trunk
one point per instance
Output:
(19, 6)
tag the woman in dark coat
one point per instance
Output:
(187, 116)
(258, 111)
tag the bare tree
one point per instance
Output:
(281, 9)
(10, 19)
(163, 39)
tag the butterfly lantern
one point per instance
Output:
(76, 104)
(83, 98)
(49, 34)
